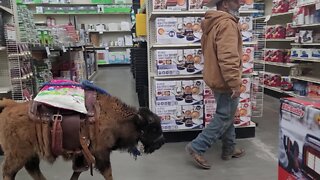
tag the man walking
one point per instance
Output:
(222, 49)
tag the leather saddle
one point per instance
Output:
(65, 126)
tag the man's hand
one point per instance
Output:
(235, 93)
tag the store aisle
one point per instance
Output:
(171, 162)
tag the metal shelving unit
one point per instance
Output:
(153, 46)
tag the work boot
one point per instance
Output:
(237, 153)
(197, 158)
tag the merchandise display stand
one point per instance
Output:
(175, 66)
(104, 25)
(6, 17)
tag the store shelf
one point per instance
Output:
(279, 40)
(307, 79)
(176, 77)
(281, 64)
(306, 60)
(119, 31)
(289, 13)
(191, 13)
(251, 125)
(305, 44)
(306, 25)
(71, 4)
(197, 45)
(7, 10)
(65, 14)
(250, 43)
(278, 89)
(275, 63)
(110, 47)
(4, 90)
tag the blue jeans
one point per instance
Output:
(221, 126)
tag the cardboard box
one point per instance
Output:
(198, 5)
(299, 142)
(182, 92)
(179, 62)
(169, 5)
(247, 59)
(181, 117)
(245, 90)
(210, 107)
(178, 30)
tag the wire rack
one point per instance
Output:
(259, 68)
(20, 68)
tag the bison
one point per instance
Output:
(119, 127)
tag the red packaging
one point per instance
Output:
(299, 139)
(279, 32)
(269, 32)
(290, 32)
(280, 6)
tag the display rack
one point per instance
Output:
(154, 77)
(300, 71)
(6, 16)
(87, 16)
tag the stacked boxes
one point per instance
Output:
(180, 104)
(247, 59)
(179, 62)
(178, 30)
(299, 142)
(243, 115)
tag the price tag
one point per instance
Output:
(107, 48)
(82, 48)
(64, 49)
(100, 32)
(48, 51)
(267, 18)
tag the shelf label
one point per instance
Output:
(48, 51)
(64, 49)
(83, 48)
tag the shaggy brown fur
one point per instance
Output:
(118, 127)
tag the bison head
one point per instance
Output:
(151, 131)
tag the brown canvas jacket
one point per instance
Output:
(221, 45)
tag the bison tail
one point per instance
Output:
(6, 103)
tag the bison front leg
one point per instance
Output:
(104, 166)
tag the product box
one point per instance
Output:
(207, 91)
(245, 90)
(247, 59)
(299, 142)
(178, 30)
(210, 107)
(182, 92)
(181, 117)
(198, 5)
(246, 26)
(313, 90)
(179, 62)
(169, 5)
